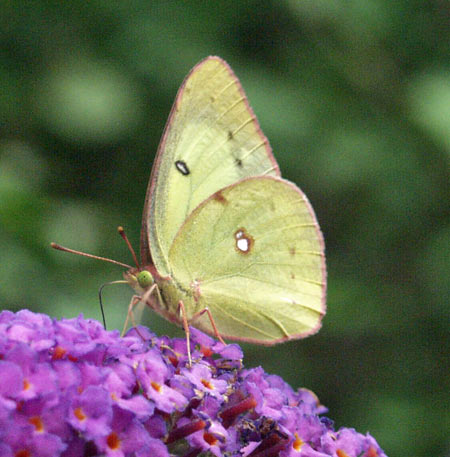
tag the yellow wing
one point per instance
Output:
(212, 139)
(254, 255)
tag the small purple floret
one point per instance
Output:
(70, 388)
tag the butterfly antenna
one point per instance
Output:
(101, 300)
(72, 251)
(125, 238)
(101, 305)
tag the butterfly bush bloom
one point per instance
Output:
(70, 388)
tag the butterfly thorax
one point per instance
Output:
(173, 291)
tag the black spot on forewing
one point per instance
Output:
(237, 159)
(182, 167)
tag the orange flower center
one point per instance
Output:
(79, 414)
(341, 453)
(156, 386)
(207, 384)
(206, 351)
(58, 353)
(298, 443)
(113, 441)
(37, 422)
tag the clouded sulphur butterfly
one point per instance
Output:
(221, 229)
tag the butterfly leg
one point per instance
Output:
(213, 324)
(182, 311)
(135, 299)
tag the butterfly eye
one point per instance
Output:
(145, 279)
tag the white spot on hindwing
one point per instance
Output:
(244, 241)
(242, 244)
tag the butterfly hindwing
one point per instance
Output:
(254, 255)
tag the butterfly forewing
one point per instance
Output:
(212, 139)
(254, 255)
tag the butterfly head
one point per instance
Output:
(139, 280)
(145, 279)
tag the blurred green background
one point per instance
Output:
(354, 97)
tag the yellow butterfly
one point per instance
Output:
(227, 245)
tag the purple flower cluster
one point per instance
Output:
(70, 388)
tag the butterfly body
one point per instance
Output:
(221, 229)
